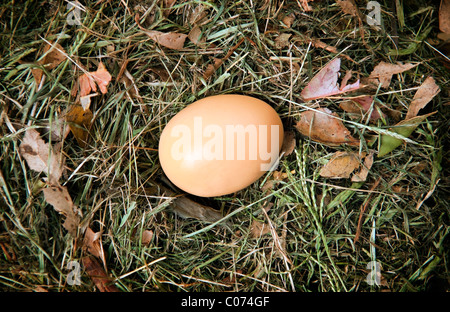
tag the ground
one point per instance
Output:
(297, 233)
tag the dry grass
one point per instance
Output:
(313, 221)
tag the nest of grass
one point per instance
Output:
(297, 235)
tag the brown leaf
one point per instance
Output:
(59, 198)
(444, 16)
(357, 107)
(79, 122)
(40, 157)
(147, 237)
(54, 55)
(321, 127)
(87, 82)
(362, 174)
(383, 72)
(171, 40)
(282, 40)
(426, 92)
(348, 7)
(289, 143)
(98, 275)
(258, 229)
(324, 83)
(187, 208)
(305, 5)
(92, 241)
(341, 165)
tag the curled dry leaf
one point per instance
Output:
(322, 126)
(324, 83)
(40, 156)
(362, 174)
(383, 72)
(426, 92)
(289, 143)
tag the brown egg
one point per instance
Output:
(220, 144)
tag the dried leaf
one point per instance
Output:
(347, 7)
(54, 55)
(383, 72)
(321, 127)
(361, 105)
(128, 81)
(444, 16)
(404, 128)
(79, 121)
(282, 40)
(324, 83)
(362, 174)
(341, 165)
(59, 198)
(87, 82)
(147, 237)
(40, 157)
(171, 40)
(92, 241)
(187, 208)
(289, 143)
(98, 275)
(426, 92)
(258, 229)
(305, 5)
(288, 20)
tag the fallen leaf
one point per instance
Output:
(426, 92)
(147, 237)
(305, 5)
(258, 229)
(282, 40)
(347, 7)
(322, 126)
(289, 143)
(288, 20)
(357, 107)
(383, 72)
(79, 121)
(54, 55)
(168, 4)
(92, 241)
(362, 174)
(59, 198)
(40, 156)
(444, 16)
(324, 83)
(341, 165)
(187, 208)
(404, 128)
(87, 82)
(171, 40)
(98, 275)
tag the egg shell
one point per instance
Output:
(220, 144)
